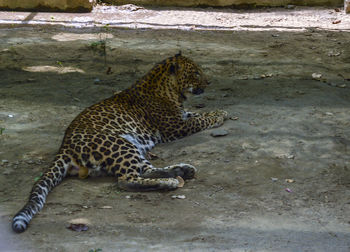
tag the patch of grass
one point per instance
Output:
(2, 130)
(101, 45)
(59, 63)
(38, 177)
(95, 250)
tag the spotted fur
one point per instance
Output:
(113, 136)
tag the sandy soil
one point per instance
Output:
(285, 124)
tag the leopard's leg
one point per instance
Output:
(137, 183)
(132, 179)
(192, 124)
(127, 163)
(186, 171)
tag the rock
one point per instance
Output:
(218, 133)
(178, 197)
(316, 76)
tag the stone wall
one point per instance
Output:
(223, 3)
(44, 5)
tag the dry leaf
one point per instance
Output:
(181, 181)
(78, 227)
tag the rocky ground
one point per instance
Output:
(278, 181)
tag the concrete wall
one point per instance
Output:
(222, 3)
(52, 5)
(86, 5)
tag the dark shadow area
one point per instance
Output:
(29, 17)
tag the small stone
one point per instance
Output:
(178, 197)
(4, 161)
(290, 6)
(290, 180)
(106, 207)
(288, 190)
(128, 197)
(274, 179)
(316, 76)
(11, 116)
(333, 54)
(200, 105)
(97, 80)
(219, 133)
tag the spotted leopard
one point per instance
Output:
(113, 136)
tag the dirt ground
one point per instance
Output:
(278, 181)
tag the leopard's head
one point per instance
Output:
(190, 77)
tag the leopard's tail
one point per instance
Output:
(52, 177)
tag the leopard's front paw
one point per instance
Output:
(221, 113)
(218, 116)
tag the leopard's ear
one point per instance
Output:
(173, 68)
(178, 54)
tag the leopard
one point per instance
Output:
(114, 136)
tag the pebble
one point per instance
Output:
(4, 161)
(218, 132)
(106, 207)
(97, 80)
(178, 197)
(316, 76)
